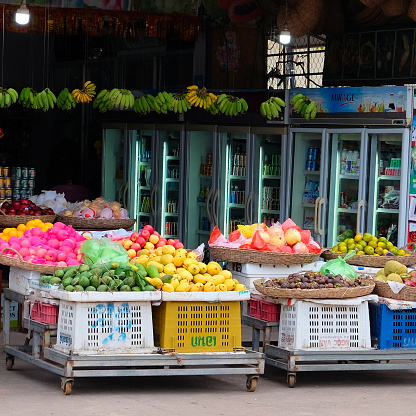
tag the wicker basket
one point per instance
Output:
(96, 224)
(21, 264)
(333, 293)
(411, 12)
(372, 3)
(383, 289)
(309, 12)
(15, 220)
(239, 255)
(372, 261)
(393, 8)
(295, 25)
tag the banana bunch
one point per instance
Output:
(163, 102)
(86, 94)
(121, 98)
(27, 97)
(200, 97)
(180, 103)
(230, 105)
(272, 107)
(304, 106)
(43, 100)
(66, 100)
(8, 97)
(144, 104)
(102, 101)
(213, 109)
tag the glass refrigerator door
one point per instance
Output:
(114, 168)
(388, 189)
(141, 176)
(201, 166)
(171, 197)
(234, 184)
(309, 181)
(267, 154)
(348, 183)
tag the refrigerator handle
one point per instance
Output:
(120, 193)
(152, 205)
(126, 187)
(360, 205)
(248, 203)
(210, 193)
(315, 227)
(321, 203)
(214, 201)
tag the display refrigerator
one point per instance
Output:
(351, 168)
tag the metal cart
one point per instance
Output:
(69, 367)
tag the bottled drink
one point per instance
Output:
(354, 162)
(349, 161)
(344, 161)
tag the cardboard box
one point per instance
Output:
(14, 313)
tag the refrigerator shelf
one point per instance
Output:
(144, 214)
(270, 211)
(145, 163)
(235, 177)
(203, 232)
(144, 188)
(205, 176)
(202, 204)
(389, 178)
(349, 176)
(387, 211)
(236, 205)
(172, 179)
(307, 205)
(172, 158)
(347, 210)
(311, 172)
(171, 214)
(270, 177)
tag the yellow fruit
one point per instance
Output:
(394, 250)
(180, 269)
(367, 237)
(401, 253)
(351, 247)
(169, 268)
(292, 236)
(186, 275)
(178, 261)
(236, 281)
(200, 278)
(350, 241)
(189, 261)
(159, 251)
(152, 255)
(143, 260)
(383, 239)
(194, 288)
(174, 282)
(374, 239)
(200, 286)
(343, 249)
(144, 252)
(161, 274)
(379, 251)
(360, 252)
(193, 268)
(166, 259)
(359, 247)
(217, 279)
(382, 244)
(157, 259)
(167, 287)
(220, 288)
(385, 251)
(181, 251)
(202, 267)
(168, 249)
(389, 245)
(226, 273)
(369, 250)
(363, 243)
(156, 282)
(213, 268)
(239, 287)
(159, 266)
(372, 243)
(191, 255)
(230, 284)
(358, 238)
(209, 287)
(183, 286)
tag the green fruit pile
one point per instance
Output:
(114, 277)
(366, 244)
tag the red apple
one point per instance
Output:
(141, 241)
(161, 243)
(136, 246)
(16, 205)
(145, 234)
(156, 233)
(149, 228)
(170, 242)
(25, 201)
(178, 245)
(134, 236)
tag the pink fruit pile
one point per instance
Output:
(24, 207)
(59, 245)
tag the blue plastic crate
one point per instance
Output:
(392, 329)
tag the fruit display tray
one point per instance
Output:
(15, 220)
(96, 223)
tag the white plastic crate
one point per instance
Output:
(20, 280)
(105, 327)
(308, 324)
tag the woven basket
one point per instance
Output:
(372, 261)
(309, 12)
(383, 289)
(372, 3)
(411, 12)
(295, 25)
(393, 8)
(21, 264)
(96, 224)
(239, 255)
(333, 293)
(15, 220)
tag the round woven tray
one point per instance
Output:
(96, 223)
(15, 220)
(21, 264)
(333, 293)
(383, 289)
(372, 261)
(239, 255)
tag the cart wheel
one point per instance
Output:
(251, 383)
(291, 379)
(67, 387)
(9, 362)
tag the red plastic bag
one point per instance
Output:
(313, 247)
(235, 235)
(257, 242)
(246, 246)
(305, 236)
(273, 247)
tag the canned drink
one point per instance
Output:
(25, 172)
(241, 161)
(210, 170)
(5, 171)
(24, 183)
(2, 193)
(17, 195)
(209, 159)
(16, 183)
(314, 153)
(17, 172)
(31, 183)
(310, 153)
(32, 173)
(8, 193)
(7, 182)
(2, 182)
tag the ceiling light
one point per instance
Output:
(22, 14)
(284, 37)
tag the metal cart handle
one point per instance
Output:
(152, 205)
(210, 194)
(360, 205)
(214, 201)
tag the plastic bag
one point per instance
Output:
(257, 242)
(340, 266)
(103, 251)
(216, 238)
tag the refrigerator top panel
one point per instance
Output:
(387, 105)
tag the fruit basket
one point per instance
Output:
(21, 264)
(15, 220)
(383, 289)
(372, 261)
(365, 288)
(239, 255)
(96, 223)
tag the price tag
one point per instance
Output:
(396, 287)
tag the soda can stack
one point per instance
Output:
(5, 184)
(23, 182)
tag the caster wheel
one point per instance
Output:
(9, 363)
(251, 383)
(67, 388)
(291, 379)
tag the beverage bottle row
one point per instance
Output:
(171, 228)
(172, 207)
(273, 168)
(313, 159)
(350, 162)
(236, 196)
(271, 198)
(145, 205)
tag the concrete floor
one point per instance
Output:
(29, 390)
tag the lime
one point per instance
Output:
(351, 247)
(343, 249)
(379, 251)
(383, 239)
(372, 243)
(359, 247)
(394, 250)
(335, 248)
(369, 250)
(374, 239)
(351, 241)
(401, 253)
(389, 245)
(363, 243)
(348, 233)
(367, 237)
(381, 244)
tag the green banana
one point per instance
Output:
(296, 98)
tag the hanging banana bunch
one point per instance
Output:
(305, 106)
(8, 97)
(230, 105)
(200, 97)
(272, 107)
(66, 100)
(86, 94)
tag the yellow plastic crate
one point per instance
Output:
(197, 326)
